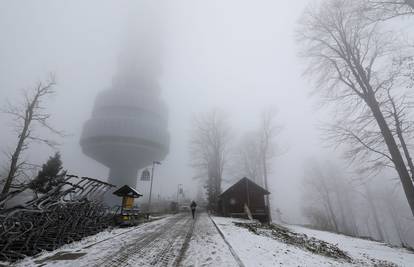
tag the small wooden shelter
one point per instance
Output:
(233, 201)
(128, 194)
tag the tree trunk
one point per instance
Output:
(332, 214)
(375, 214)
(267, 201)
(344, 223)
(404, 147)
(16, 153)
(397, 224)
(392, 146)
(355, 229)
(351, 216)
(368, 224)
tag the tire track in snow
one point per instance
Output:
(160, 247)
(186, 243)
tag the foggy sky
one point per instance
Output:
(238, 56)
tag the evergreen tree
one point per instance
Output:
(49, 176)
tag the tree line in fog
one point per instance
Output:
(364, 73)
(363, 70)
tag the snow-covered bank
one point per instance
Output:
(360, 248)
(260, 250)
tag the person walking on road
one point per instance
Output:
(193, 208)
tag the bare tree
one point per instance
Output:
(387, 9)
(403, 127)
(329, 198)
(391, 203)
(319, 201)
(268, 131)
(373, 208)
(209, 150)
(317, 218)
(246, 160)
(27, 117)
(353, 60)
(256, 149)
(343, 195)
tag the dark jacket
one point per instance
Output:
(193, 205)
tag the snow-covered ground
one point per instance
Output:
(258, 250)
(362, 249)
(207, 247)
(156, 243)
(181, 241)
(172, 241)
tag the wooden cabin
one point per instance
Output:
(245, 192)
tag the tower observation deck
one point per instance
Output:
(128, 127)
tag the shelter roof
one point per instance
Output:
(242, 183)
(127, 191)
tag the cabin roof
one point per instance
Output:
(242, 183)
(127, 191)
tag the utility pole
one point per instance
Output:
(152, 179)
(178, 191)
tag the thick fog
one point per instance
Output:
(236, 56)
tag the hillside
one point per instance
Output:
(289, 245)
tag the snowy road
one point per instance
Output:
(207, 247)
(181, 241)
(160, 246)
(169, 241)
(157, 243)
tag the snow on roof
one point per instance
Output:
(241, 182)
(127, 191)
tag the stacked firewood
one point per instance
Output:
(70, 211)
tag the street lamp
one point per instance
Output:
(152, 179)
(180, 186)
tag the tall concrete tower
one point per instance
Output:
(128, 128)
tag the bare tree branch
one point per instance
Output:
(353, 62)
(209, 148)
(28, 115)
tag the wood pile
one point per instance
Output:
(70, 211)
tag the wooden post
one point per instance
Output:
(247, 191)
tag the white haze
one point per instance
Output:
(238, 56)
